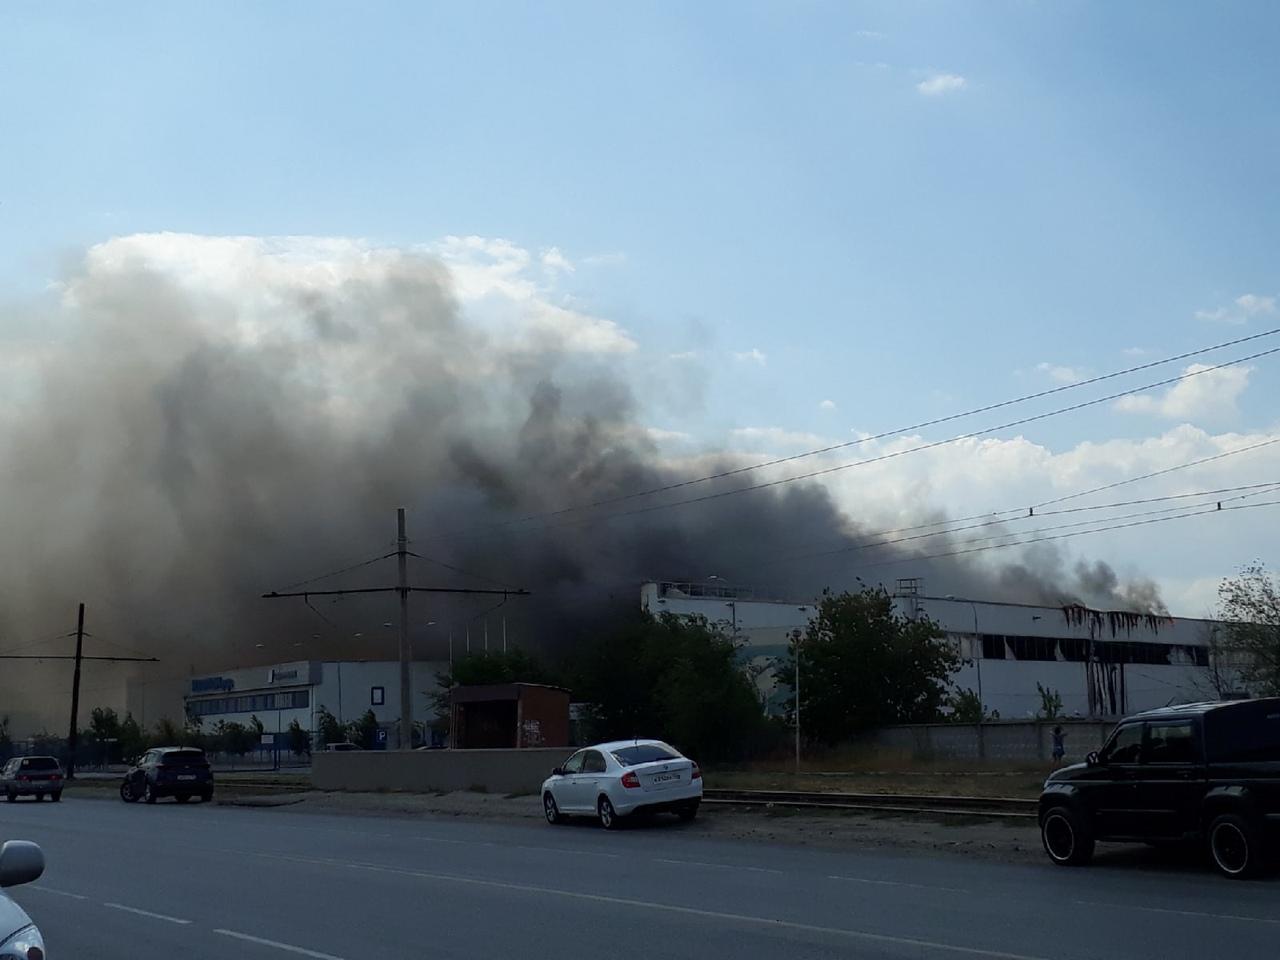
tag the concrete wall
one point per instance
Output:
(423, 771)
(1001, 742)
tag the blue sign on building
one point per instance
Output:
(207, 684)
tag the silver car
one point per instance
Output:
(20, 862)
(32, 777)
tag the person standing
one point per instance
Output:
(1059, 745)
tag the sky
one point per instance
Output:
(793, 224)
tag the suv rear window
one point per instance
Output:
(182, 756)
(40, 763)
(643, 753)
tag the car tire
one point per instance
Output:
(149, 794)
(1236, 846)
(1066, 837)
(688, 811)
(183, 797)
(551, 810)
(39, 797)
(55, 796)
(609, 818)
(10, 796)
(206, 796)
(126, 792)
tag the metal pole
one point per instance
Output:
(978, 650)
(796, 636)
(73, 733)
(406, 683)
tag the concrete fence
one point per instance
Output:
(426, 771)
(1005, 741)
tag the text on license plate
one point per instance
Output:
(186, 776)
(665, 777)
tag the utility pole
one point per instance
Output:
(406, 660)
(73, 735)
(796, 637)
(402, 589)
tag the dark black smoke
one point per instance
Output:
(182, 452)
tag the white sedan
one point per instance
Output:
(613, 780)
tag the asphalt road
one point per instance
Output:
(211, 882)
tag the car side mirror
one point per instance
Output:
(21, 861)
(1092, 759)
(558, 772)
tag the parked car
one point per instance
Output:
(32, 777)
(178, 772)
(1204, 771)
(20, 862)
(342, 747)
(615, 780)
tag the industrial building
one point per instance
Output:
(1101, 663)
(277, 695)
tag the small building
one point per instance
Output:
(508, 715)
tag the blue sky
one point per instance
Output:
(901, 208)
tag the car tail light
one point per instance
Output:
(697, 772)
(630, 780)
(56, 776)
(23, 778)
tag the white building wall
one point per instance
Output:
(1008, 685)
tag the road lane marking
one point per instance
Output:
(896, 883)
(718, 866)
(1179, 913)
(60, 893)
(742, 918)
(288, 947)
(146, 913)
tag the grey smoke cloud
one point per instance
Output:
(188, 445)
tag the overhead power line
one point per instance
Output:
(724, 474)
(886, 537)
(1078, 533)
(919, 448)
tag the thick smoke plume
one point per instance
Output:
(241, 418)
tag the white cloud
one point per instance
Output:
(683, 355)
(1211, 394)
(870, 34)
(1241, 310)
(604, 259)
(495, 280)
(776, 437)
(941, 83)
(754, 355)
(1136, 351)
(827, 405)
(553, 259)
(1060, 374)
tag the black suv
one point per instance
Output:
(180, 772)
(1208, 771)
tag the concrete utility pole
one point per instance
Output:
(73, 735)
(403, 589)
(796, 637)
(406, 660)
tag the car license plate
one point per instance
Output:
(666, 777)
(187, 776)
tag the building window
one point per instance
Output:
(378, 696)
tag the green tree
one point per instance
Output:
(104, 724)
(363, 732)
(238, 739)
(299, 739)
(1050, 703)
(6, 740)
(863, 666)
(167, 733)
(132, 739)
(330, 729)
(679, 679)
(1249, 603)
(966, 707)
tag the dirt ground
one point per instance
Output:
(1014, 782)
